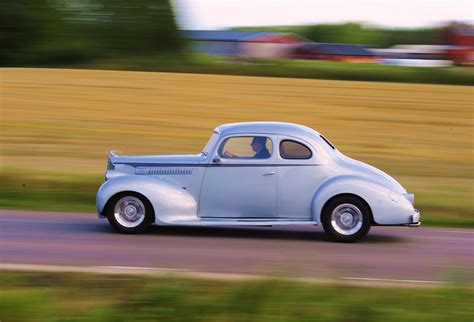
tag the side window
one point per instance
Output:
(294, 150)
(246, 147)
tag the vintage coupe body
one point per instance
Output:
(255, 173)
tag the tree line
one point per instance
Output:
(355, 33)
(58, 32)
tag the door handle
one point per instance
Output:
(269, 173)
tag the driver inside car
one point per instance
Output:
(259, 146)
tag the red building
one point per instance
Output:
(461, 36)
(270, 45)
(337, 52)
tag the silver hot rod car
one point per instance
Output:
(256, 173)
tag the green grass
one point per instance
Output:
(49, 191)
(311, 69)
(86, 297)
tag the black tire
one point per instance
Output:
(119, 220)
(352, 218)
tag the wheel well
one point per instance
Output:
(348, 195)
(107, 204)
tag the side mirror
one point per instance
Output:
(216, 160)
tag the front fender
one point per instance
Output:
(170, 203)
(386, 210)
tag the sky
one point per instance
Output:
(218, 14)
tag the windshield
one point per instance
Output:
(210, 144)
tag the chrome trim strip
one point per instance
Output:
(163, 171)
(190, 165)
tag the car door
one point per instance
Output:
(299, 175)
(240, 182)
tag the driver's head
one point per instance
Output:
(258, 143)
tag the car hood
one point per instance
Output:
(369, 171)
(150, 160)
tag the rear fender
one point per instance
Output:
(385, 209)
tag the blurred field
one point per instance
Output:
(81, 297)
(57, 126)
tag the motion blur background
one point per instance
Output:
(389, 86)
(58, 124)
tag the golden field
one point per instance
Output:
(64, 121)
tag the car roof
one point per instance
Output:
(282, 128)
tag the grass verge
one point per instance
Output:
(49, 191)
(40, 296)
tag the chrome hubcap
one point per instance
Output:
(346, 219)
(129, 211)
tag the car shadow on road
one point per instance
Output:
(277, 233)
(262, 233)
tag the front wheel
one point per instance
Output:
(346, 219)
(129, 213)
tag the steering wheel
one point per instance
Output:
(228, 154)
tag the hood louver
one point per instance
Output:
(163, 171)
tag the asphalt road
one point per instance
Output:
(391, 253)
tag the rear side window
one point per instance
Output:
(294, 150)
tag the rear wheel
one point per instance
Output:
(130, 213)
(346, 218)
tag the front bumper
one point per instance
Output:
(415, 219)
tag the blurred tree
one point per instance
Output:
(23, 25)
(123, 26)
(51, 32)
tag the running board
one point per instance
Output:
(241, 222)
